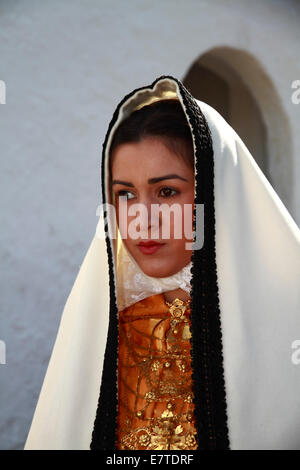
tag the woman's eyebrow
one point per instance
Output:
(152, 180)
(166, 177)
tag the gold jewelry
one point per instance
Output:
(178, 309)
(178, 302)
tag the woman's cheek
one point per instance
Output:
(123, 220)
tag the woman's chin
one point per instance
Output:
(158, 264)
(157, 271)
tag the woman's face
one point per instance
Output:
(148, 173)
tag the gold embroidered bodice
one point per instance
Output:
(155, 399)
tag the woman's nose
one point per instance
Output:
(148, 217)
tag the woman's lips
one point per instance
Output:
(148, 248)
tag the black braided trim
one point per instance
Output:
(207, 359)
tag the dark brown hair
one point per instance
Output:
(164, 119)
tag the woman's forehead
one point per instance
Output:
(148, 155)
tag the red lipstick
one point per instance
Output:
(150, 247)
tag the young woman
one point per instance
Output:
(190, 349)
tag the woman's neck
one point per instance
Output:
(179, 293)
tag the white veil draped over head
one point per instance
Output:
(258, 266)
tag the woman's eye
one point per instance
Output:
(164, 192)
(168, 192)
(123, 192)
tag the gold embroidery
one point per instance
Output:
(155, 384)
(155, 366)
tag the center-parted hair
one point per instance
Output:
(164, 119)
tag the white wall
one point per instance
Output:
(66, 65)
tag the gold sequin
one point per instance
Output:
(155, 366)
(188, 399)
(150, 396)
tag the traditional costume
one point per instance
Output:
(228, 353)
